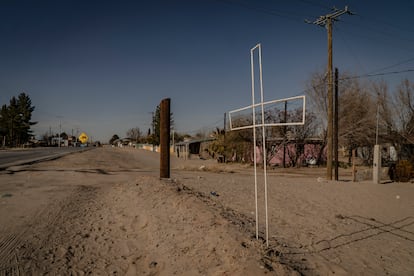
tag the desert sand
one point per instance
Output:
(106, 212)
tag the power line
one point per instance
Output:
(381, 31)
(371, 73)
(322, 83)
(391, 66)
(376, 70)
(205, 127)
(313, 3)
(388, 24)
(378, 74)
(283, 14)
(378, 37)
(350, 50)
(405, 61)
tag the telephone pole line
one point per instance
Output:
(327, 20)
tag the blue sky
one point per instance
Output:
(103, 66)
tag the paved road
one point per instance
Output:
(16, 157)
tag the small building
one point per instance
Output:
(122, 142)
(189, 148)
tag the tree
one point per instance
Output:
(317, 99)
(134, 134)
(233, 145)
(386, 118)
(299, 134)
(405, 104)
(178, 137)
(47, 138)
(396, 112)
(25, 109)
(156, 123)
(4, 123)
(114, 137)
(64, 136)
(15, 120)
(356, 112)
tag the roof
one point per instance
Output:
(122, 140)
(195, 141)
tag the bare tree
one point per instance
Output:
(386, 123)
(397, 118)
(317, 98)
(396, 112)
(299, 134)
(357, 114)
(405, 103)
(134, 134)
(357, 110)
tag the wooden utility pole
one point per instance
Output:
(165, 138)
(330, 102)
(327, 20)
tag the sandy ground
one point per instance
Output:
(106, 212)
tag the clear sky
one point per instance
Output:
(103, 66)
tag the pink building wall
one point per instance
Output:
(310, 151)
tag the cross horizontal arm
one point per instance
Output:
(266, 103)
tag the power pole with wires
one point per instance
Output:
(326, 20)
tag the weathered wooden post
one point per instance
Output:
(354, 171)
(165, 138)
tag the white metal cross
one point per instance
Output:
(263, 125)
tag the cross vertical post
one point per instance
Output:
(254, 139)
(264, 155)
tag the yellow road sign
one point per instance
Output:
(83, 138)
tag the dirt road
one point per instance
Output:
(106, 212)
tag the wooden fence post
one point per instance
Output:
(165, 138)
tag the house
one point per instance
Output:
(191, 148)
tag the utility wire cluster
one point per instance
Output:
(299, 18)
(381, 27)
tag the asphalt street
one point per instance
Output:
(15, 157)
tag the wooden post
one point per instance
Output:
(165, 138)
(354, 171)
